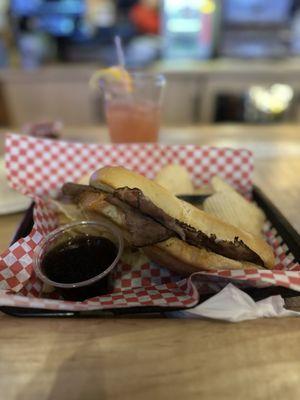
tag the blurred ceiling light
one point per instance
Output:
(208, 6)
(272, 100)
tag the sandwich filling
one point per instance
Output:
(149, 224)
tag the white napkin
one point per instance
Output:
(234, 305)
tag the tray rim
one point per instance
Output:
(288, 233)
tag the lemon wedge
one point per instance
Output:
(115, 74)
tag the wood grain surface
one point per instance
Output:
(159, 358)
(140, 359)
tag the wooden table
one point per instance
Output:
(139, 358)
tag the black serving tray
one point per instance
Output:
(288, 234)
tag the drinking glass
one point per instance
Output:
(133, 108)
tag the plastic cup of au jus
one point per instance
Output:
(77, 258)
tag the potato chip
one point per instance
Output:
(176, 179)
(219, 185)
(232, 208)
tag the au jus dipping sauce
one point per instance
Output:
(78, 260)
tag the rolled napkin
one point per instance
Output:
(233, 305)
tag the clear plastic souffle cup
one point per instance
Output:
(77, 258)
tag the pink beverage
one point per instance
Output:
(133, 114)
(133, 121)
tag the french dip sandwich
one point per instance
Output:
(171, 232)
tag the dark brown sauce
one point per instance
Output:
(79, 259)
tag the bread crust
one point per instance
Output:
(118, 177)
(186, 261)
(174, 253)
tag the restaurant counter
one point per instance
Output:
(190, 96)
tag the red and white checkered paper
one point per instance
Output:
(38, 168)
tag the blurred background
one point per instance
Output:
(225, 61)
